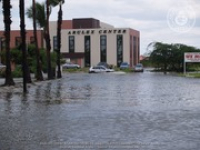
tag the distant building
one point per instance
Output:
(15, 38)
(88, 41)
(144, 57)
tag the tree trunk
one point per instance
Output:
(48, 44)
(26, 71)
(7, 21)
(23, 45)
(39, 76)
(165, 68)
(59, 75)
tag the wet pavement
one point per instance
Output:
(137, 111)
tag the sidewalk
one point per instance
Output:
(20, 80)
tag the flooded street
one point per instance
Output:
(144, 111)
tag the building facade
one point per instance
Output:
(15, 38)
(89, 41)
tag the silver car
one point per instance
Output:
(139, 68)
(98, 69)
(70, 65)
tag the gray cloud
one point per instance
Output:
(150, 17)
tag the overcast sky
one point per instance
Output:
(169, 21)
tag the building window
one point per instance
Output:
(32, 40)
(71, 44)
(138, 50)
(87, 51)
(103, 48)
(55, 43)
(134, 50)
(18, 41)
(119, 49)
(1, 43)
(131, 51)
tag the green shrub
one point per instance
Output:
(17, 73)
(2, 73)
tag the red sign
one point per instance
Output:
(192, 57)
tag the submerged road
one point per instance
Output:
(144, 111)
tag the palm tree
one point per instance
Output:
(26, 71)
(59, 75)
(23, 44)
(7, 22)
(48, 41)
(53, 3)
(39, 76)
(43, 12)
(39, 12)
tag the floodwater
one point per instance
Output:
(137, 111)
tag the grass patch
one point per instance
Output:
(194, 75)
(191, 75)
(74, 70)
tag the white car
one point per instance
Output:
(139, 68)
(98, 69)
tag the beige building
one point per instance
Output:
(89, 41)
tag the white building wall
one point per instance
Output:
(64, 41)
(126, 47)
(104, 25)
(95, 48)
(112, 49)
(95, 43)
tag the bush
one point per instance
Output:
(2, 73)
(17, 73)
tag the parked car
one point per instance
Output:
(103, 64)
(138, 68)
(70, 65)
(124, 65)
(99, 69)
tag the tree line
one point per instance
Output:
(169, 57)
(39, 13)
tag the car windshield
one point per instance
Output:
(96, 67)
(103, 64)
(124, 63)
(139, 65)
(102, 67)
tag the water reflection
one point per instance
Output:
(58, 90)
(8, 96)
(147, 110)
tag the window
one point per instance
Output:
(32, 40)
(18, 41)
(119, 49)
(55, 43)
(71, 44)
(134, 49)
(1, 43)
(87, 51)
(103, 48)
(138, 50)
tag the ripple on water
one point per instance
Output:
(136, 111)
